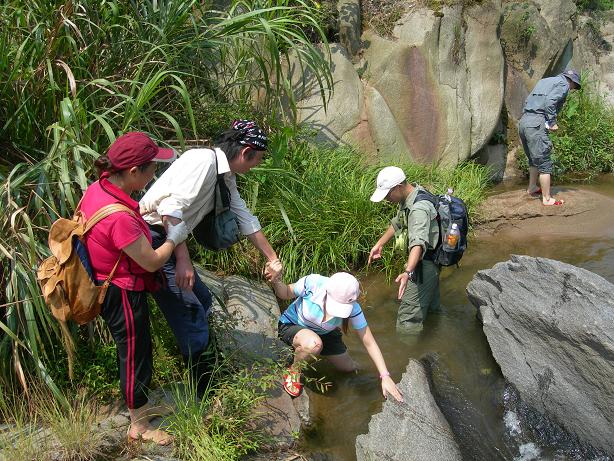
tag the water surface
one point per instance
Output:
(472, 379)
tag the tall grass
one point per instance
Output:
(76, 73)
(316, 211)
(584, 144)
(222, 425)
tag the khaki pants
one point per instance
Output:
(418, 299)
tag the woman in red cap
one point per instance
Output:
(312, 325)
(122, 241)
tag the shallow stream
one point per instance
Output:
(470, 382)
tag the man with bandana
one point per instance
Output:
(185, 192)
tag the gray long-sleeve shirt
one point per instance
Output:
(547, 98)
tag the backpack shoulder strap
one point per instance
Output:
(428, 196)
(104, 212)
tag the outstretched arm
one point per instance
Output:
(388, 385)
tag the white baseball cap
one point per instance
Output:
(387, 178)
(342, 290)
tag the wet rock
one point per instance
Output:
(516, 214)
(550, 327)
(414, 430)
(248, 313)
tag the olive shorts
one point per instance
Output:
(332, 343)
(536, 142)
(419, 298)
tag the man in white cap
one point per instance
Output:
(419, 284)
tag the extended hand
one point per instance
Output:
(273, 270)
(389, 387)
(553, 127)
(402, 281)
(184, 274)
(375, 253)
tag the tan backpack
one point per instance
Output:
(65, 277)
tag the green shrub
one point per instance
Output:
(222, 425)
(316, 211)
(584, 144)
(595, 5)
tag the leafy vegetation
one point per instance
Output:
(595, 5)
(584, 144)
(76, 73)
(325, 192)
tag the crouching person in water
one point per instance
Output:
(312, 325)
(121, 242)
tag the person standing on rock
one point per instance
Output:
(186, 192)
(419, 283)
(120, 244)
(539, 117)
(323, 308)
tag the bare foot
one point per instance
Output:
(533, 191)
(156, 436)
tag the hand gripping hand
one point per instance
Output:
(177, 232)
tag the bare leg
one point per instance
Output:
(343, 362)
(533, 174)
(544, 180)
(307, 344)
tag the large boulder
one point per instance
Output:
(550, 327)
(412, 431)
(433, 92)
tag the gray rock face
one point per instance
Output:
(431, 93)
(411, 431)
(550, 326)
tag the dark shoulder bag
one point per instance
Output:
(219, 228)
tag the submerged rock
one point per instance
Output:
(550, 327)
(414, 430)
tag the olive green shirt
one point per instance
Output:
(420, 220)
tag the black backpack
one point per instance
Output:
(450, 210)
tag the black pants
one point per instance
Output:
(127, 316)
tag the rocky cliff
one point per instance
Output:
(442, 85)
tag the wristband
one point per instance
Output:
(383, 375)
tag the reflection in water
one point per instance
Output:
(465, 375)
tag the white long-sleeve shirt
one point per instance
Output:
(186, 191)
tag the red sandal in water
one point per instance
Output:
(292, 383)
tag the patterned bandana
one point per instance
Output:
(251, 135)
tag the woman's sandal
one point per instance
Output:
(157, 436)
(556, 203)
(292, 383)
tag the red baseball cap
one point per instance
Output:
(136, 148)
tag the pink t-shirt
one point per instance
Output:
(114, 233)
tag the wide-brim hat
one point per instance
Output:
(573, 76)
